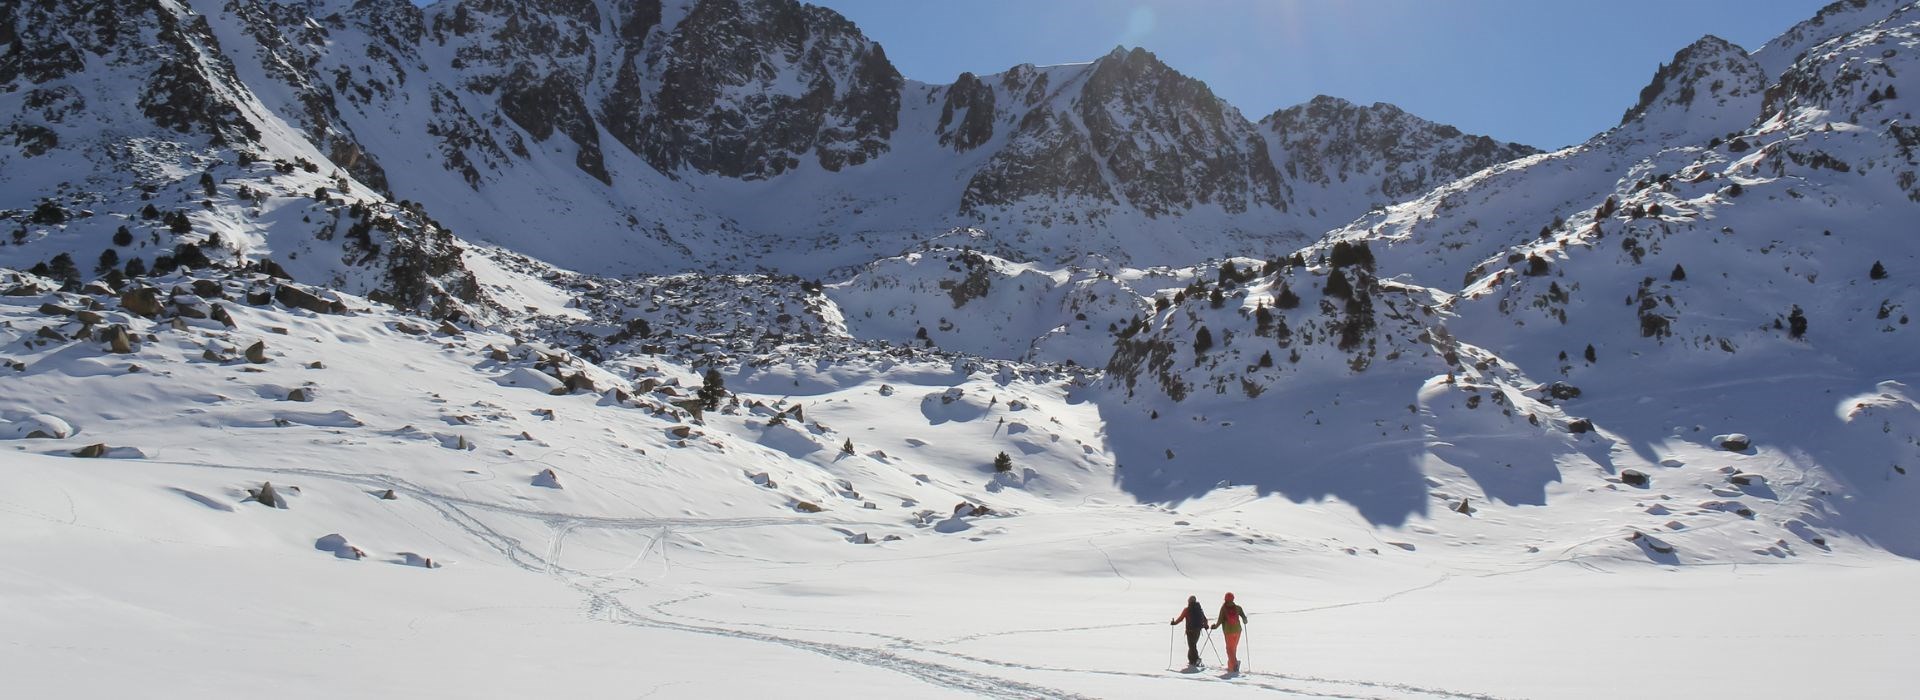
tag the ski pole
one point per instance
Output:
(1247, 663)
(1216, 650)
(1173, 634)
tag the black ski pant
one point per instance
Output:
(1193, 646)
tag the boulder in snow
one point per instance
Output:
(1650, 542)
(298, 298)
(337, 544)
(1635, 477)
(40, 427)
(412, 559)
(257, 352)
(119, 341)
(266, 496)
(143, 302)
(528, 378)
(547, 479)
(1733, 442)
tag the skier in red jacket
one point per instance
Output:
(1230, 619)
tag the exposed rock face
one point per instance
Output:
(1045, 157)
(1396, 155)
(1167, 141)
(838, 99)
(1170, 142)
(187, 90)
(967, 115)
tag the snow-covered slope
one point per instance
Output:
(1656, 383)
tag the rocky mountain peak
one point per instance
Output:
(749, 87)
(1329, 139)
(1169, 141)
(1706, 83)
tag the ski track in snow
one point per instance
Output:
(601, 603)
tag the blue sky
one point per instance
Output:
(1543, 72)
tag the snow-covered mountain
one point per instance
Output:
(729, 133)
(1051, 347)
(1674, 273)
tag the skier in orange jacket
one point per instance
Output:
(1230, 619)
(1196, 619)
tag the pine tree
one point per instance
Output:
(1287, 299)
(63, 268)
(109, 260)
(137, 267)
(190, 256)
(1202, 341)
(149, 213)
(1217, 299)
(1796, 323)
(180, 224)
(1879, 272)
(1266, 359)
(1003, 463)
(1591, 356)
(712, 389)
(848, 447)
(123, 237)
(1679, 273)
(206, 183)
(49, 214)
(1338, 286)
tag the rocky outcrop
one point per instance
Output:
(967, 114)
(1044, 157)
(1394, 154)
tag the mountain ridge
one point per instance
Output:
(645, 123)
